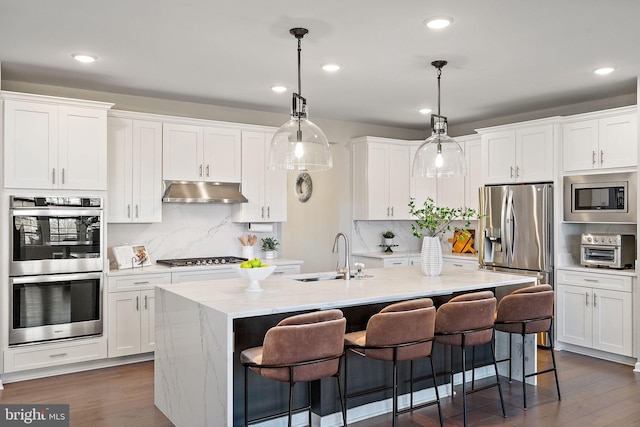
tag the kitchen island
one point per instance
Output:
(198, 326)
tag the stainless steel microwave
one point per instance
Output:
(607, 197)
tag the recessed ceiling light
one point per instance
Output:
(331, 67)
(424, 110)
(604, 71)
(84, 57)
(279, 89)
(438, 23)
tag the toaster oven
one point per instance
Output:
(608, 250)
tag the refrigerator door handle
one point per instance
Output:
(511, 226)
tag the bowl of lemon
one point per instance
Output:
(254, 270)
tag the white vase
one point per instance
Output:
(431, 256)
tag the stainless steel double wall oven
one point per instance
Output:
(55, 267)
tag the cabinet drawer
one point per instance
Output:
(465, 264)
(596, 280)
(287, 269)
(138, 281)
(45, 355)
(396, 262)
(203, 275)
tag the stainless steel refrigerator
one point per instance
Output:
(517, 229)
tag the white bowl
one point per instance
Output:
(254, 275)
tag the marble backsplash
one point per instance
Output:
(367, 236)
(187, 230)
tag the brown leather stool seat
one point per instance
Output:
(528, 311)
(467, 321)
(300, 348)
(399, 332)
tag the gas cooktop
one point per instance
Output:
(190, 262)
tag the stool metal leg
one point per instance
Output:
(435, 385)
(495, 366)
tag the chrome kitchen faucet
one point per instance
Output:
(346, 270)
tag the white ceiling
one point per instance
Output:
(505, 56)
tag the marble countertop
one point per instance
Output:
(402, 254)
(283, 294)
(158, 268)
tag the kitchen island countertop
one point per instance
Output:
(195, 345)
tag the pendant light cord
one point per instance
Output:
(299, 54)
(439, 73)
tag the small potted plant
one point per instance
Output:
(388, 238)
(270, 247)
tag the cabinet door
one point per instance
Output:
(618, 141)
(147, 321)
(378, 181)
(30, 144)
(275, 188)
(124, 323)
(473, 180)
(222, 155)
(421, 188)
(253, 177)
(119, 143)
(498, 151)
(534, 154)
(146, 170)
(182, 152)
(399, 176)
(580, 145)
(82, 148)
(613, 321)
(575, 315)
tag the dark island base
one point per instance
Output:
(267, 397)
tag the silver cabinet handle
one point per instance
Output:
(53, 176)
(517, 171)
(63, 175)
(591, 280)
(397, 263)
(387, 210)
(128, 211)
(595, 301)
(137, 211)
(593, 157)
(586, 298)
(200, 170)
(458, 265)
(56, 355)
(146, 282)
(262, 210)
(146, 305)
(601, 157)
(137, 303)
(510, 171)
(392, 211)
(268, 211)
(207, 171)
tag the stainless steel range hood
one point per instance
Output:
(202, 192)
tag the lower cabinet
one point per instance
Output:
(130, 313)
(54, 354)
(594, 310)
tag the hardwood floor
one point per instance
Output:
(594, 393)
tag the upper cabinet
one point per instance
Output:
(201, 153)
(135, 170)
(381, 178)
(521, 152)
(265, 189)
(601, 140)
(54, 143)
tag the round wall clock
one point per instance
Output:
(304, 187)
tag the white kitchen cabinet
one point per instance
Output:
(201, 153)
(265, 189)
(594, 310)
(518, 153)
(382, 261)
(135, 170)
(600, 140)
(461, 262)
(131, 313)
(381, 178)
(203, 274)
(54, 143)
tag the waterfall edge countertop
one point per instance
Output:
(194, 356)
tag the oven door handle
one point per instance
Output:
(54, 278)
(55, 212)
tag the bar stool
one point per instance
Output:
(467, 321)
(300, 348)
(400, 331)
(528, 311)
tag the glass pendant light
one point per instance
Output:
(299, 144)
(439, 155)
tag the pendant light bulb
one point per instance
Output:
(439, 155)
(299, 144)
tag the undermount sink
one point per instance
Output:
(327, 277)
